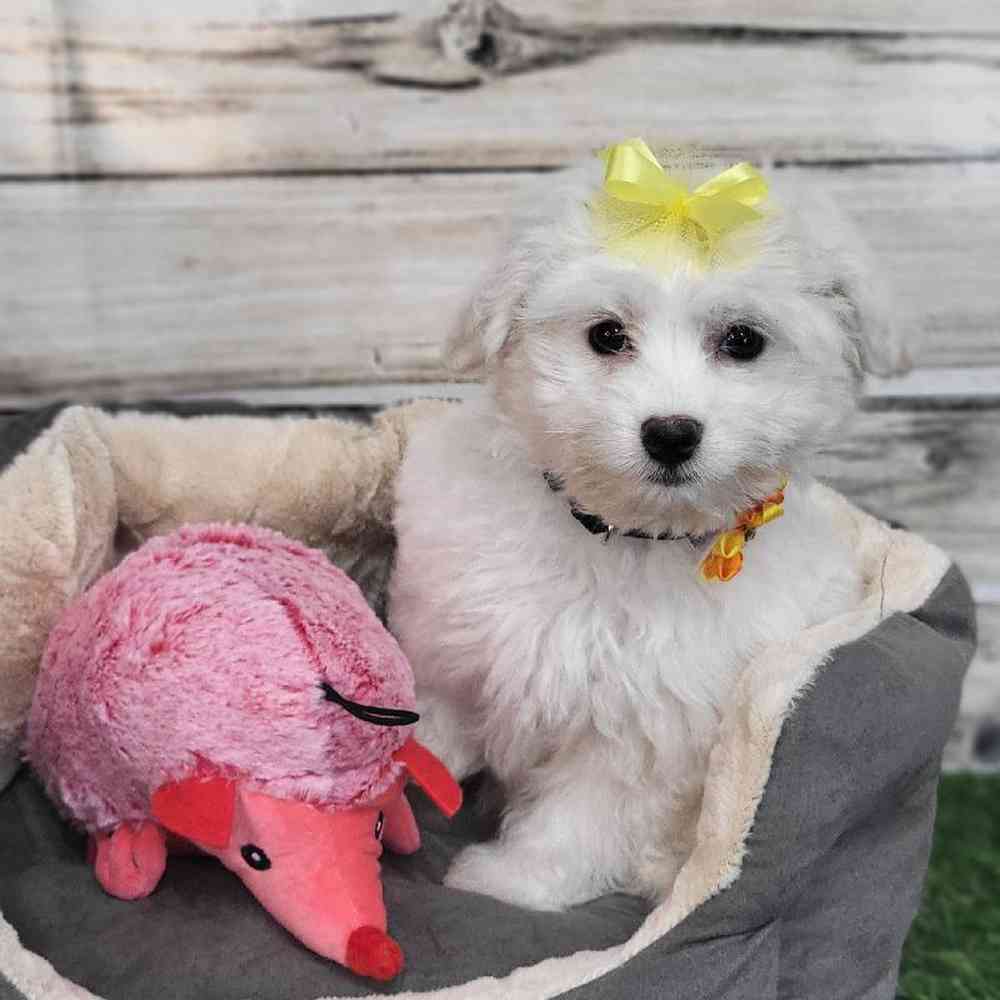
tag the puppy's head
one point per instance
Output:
(667, 397)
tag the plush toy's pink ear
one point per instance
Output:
(199, 809)
(431, 775)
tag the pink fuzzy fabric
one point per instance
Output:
(209, 646)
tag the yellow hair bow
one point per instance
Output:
(642, 204)
(726, 557)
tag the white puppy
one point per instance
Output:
(587, 668)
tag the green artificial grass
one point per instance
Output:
(953, 951)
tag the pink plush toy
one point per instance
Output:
(232, 688)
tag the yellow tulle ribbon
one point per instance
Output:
(642, 205)
(725, 559)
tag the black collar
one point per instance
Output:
(596, 525)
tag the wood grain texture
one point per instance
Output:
(256, 11)
(123, 290)
(909, 16)
(857, 16)
(480, 87)
(934, 467)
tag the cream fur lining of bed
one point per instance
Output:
(112, 472)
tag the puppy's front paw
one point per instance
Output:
(505, 873)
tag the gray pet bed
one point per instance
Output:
(810, 857)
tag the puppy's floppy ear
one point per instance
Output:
(845, 275)
(487, 321)
(862, 307)
(544, 217)
(547, 224)
(483, 328)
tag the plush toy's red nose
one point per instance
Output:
(371, 952)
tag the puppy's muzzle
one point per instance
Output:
(671, 441)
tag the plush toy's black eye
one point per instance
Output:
(379, 823)
(607, 337)
(375, 714)
(742, 342)
(255, 857)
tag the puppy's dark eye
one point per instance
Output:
(255, 857)
(742, 342)
(379, 823)
(607, 337)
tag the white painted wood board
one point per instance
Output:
(126, 289)
(103, 94)
(910, 16)
(933, 467)
(907, 16)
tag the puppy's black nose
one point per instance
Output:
(671, 440)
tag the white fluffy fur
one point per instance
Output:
(590, 676)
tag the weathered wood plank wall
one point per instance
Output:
(117, 98)
(290, 199)
(109, 282)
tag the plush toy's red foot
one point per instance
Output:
(129, 862)
(371, 952)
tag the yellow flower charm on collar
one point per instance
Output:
(725, 559)
(644, 213)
